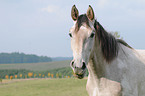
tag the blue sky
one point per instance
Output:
(41, 26)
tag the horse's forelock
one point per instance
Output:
(82, 19)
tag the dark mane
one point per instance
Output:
(108, 43)
(81, 20)
(124, 43)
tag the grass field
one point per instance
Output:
(44, 87)
(37, 66)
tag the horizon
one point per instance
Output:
(34, 54)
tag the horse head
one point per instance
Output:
(82, 40)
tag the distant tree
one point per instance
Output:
(17, 57)
(116, 34)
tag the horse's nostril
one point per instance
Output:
(84, 66)
(72, 64)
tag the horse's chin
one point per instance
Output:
(79, 76)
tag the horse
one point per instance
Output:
(115, 68)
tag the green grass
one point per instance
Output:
(45, 87)
(37, 66)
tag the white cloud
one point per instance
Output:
(60, 14)
(102, 3)
(50, 9)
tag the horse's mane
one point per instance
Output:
(109, 44)
(124, 43)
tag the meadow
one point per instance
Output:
(44, 87)
(37, 66)
(61, 68)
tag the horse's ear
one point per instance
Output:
(90, 13)
(74, 13)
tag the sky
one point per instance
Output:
(41, 27)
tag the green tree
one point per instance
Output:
(117, 35)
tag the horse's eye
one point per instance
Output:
(92, 35)
(70, 34)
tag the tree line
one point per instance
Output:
(16, 57)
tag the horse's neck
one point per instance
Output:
(95, 68)
(98, 67)
(96, 64)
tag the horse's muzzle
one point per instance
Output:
(79, 72)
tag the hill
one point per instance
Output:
(36, 66)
